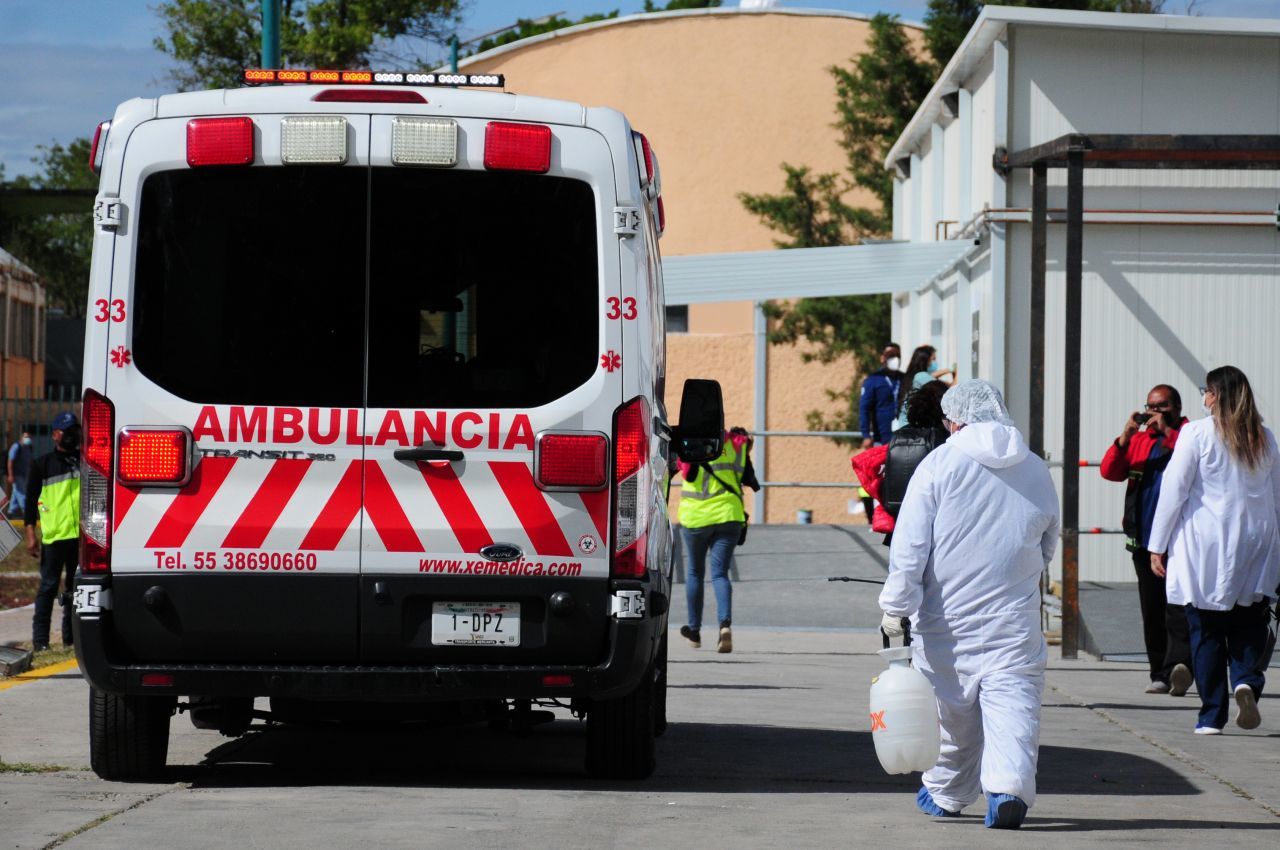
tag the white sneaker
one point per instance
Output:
(1179, 680)
(1208, 730)
(1157, 687)
(1248, 717)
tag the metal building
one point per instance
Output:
(1179, 268)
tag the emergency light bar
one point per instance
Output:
(258, 76)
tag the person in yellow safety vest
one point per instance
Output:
(53, 502)
(712, 519)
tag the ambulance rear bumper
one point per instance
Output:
(633, 644)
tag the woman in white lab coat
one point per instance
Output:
(1216, 538)
(977, 527)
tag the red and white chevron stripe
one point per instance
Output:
(366, 505)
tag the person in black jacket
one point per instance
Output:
(53, 504)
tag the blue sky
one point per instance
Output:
(67, 63)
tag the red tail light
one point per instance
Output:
(99, 146)
(571, 461)
(219, 141)
(662, 217)
(155, 456)
(96, 483)
(157, 680)
(631, 482)
(647, 152)
(368, 96)
(517, 147)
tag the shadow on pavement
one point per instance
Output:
(692, 757)
(972, 818)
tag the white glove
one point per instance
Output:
(891, 625)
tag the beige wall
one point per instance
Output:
(724, 99)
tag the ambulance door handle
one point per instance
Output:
(422, 453)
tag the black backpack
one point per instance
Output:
(907, 448)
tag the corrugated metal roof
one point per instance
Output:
(993, 21)
(810, 272)
(7, 259)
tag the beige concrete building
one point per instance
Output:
(725, 97)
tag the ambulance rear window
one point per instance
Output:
(250, 285)
(269, 286)
(484, 288)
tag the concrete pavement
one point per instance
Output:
(768, 746)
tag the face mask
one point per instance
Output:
(892, 364)
(70, 440)
(26, 441)
(933, 366)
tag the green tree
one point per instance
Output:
(948, 21)
(649, 5)
(57, 246)
(875, 99)
(215, 40)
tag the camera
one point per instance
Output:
(1141, 417)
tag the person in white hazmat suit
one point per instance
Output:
(977, 528)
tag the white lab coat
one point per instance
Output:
(1219, 522)
(978, 525)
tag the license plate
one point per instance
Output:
(475, 623)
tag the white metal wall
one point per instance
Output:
(1162, 304)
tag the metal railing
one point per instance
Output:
(33, 412)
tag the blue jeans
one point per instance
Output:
(1223, 641)
(718, 540)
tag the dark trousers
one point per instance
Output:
(1226, 641)
(57, 560)
(1164, 626)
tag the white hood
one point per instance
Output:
(991, 444)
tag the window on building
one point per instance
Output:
(678, 319)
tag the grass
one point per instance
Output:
(16, 591)
(52, 655)
(19, 578)
(29, 767)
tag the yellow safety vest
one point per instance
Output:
(704, 500)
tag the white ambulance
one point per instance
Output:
(373, 418)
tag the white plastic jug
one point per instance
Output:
(904, 715)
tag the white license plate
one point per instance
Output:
(475, 623)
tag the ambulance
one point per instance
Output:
(373, 415)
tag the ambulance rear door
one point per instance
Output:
(236, 312)
(493, 366)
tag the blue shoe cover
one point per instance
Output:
(1005, 811)
(925, 802)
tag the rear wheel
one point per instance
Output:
(620, 734)
(128, 735)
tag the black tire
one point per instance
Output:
(660, 689)
(128, 735)
(620, 734)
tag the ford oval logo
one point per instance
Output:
(501, 552)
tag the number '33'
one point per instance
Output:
(624, 308)
(109, 311)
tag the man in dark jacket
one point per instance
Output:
(878, 403)
(1140, 456)
(53, 503)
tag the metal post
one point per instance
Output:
(1071, 407)
(761, 412)
(453, 53)
(270, 33)
(1039, 228)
